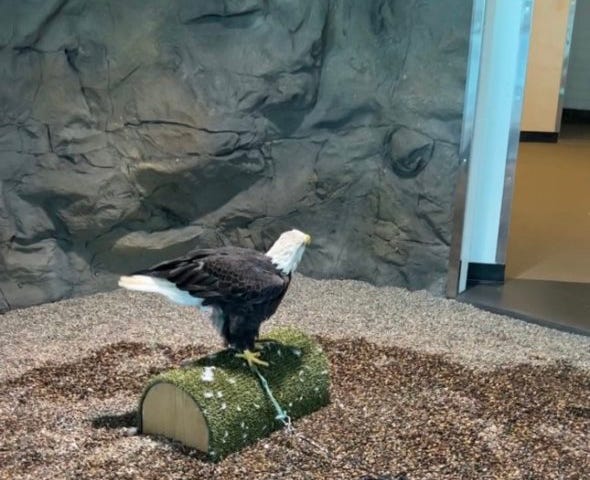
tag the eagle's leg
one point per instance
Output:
(245, 343)
(253, 358)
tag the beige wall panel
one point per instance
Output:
(545, 64)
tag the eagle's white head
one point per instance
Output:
(287, 251)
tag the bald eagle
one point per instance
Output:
(239, 287)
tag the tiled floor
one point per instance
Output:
(549, 236)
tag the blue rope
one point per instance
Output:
(281, 414)
(284, 418)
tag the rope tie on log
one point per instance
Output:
(281, 414)
(284, 418)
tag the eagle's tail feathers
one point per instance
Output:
(145, 283)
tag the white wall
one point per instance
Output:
(577, 90)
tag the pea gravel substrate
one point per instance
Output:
(422, 388)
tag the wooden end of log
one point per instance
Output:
(217, 405)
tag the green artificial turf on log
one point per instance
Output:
(228, 395)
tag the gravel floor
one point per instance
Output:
(336, 309)
(436, 389)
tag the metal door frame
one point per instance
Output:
(457, 273)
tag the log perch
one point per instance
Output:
(217, 405)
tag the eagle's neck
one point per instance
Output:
(286, 257)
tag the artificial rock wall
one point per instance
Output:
(132, 131)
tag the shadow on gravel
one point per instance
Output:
(124, 420)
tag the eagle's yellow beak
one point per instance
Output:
(307, 240)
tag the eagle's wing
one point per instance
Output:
(225, 276)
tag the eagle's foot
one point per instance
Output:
(253, 358)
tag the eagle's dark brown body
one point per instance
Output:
(242, 286)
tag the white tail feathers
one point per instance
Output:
(145, 283)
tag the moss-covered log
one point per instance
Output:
(217, 405)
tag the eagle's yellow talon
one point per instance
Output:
(253, 358)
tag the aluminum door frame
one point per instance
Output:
(457, 272)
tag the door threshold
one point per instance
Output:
(561, 305)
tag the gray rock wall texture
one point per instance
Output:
(134, 130)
